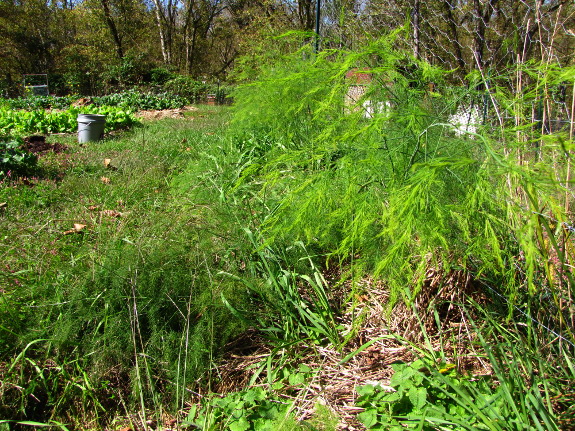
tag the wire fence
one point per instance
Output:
(483, 35)
(487, 45)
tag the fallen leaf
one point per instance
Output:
(111, 213)
(105, 180)
(79, 227)
(3, 205)
(108, 164)
(93, 207)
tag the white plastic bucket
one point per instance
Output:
(90, 127)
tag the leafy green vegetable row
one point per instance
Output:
(19, 122)
(136, 100)
(131, 99)
(39, 102)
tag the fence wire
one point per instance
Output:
(503, 44)
(485, 35)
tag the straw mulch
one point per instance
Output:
(165, 113)
(366, 319)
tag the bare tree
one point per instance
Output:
(166, 13)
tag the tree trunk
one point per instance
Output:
(482, 17)
(305, 14)
(160, 21)
(113, 28)
(450, 19)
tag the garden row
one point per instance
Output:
(52, 114)
(16, 124)
(175, 93)
(20, 122)
(58, 114)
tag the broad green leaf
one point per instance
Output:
(368, 417)
(240, 425)
(418, 397)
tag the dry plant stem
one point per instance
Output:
(568, 197)
(135, 328)
(538, 23)
(520, 136)
(506, 152)
(522, 60)
(568, 175)
(489, 92)
(547, 114)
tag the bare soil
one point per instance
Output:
(38, 145)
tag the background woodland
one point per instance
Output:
(99, 46)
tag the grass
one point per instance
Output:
(130, 287)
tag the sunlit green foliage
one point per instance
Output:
(386, 176)
(20, 122)
(189, 237)
(14, 159)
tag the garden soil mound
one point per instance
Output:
(38, 145)
(165, 113)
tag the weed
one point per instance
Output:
(14, 160)
(428, 394)
(258, 408)
(296, 305)
(252, 409)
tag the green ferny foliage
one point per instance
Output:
(388, 179)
